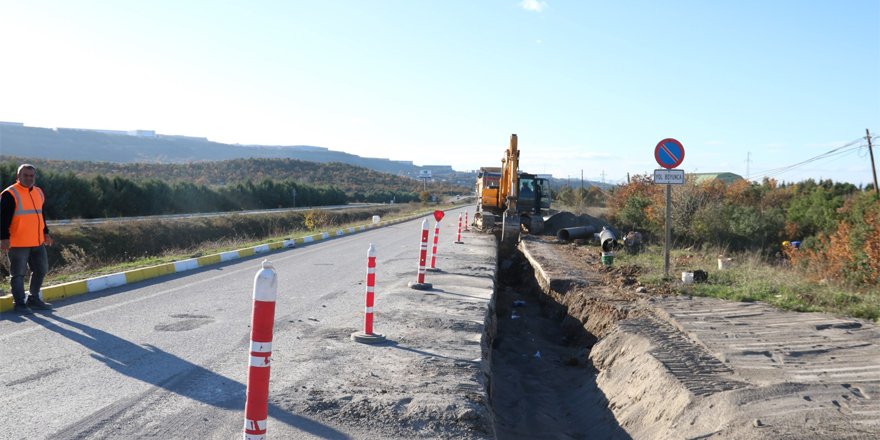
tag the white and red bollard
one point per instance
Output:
(466, 226)
(458, 240)
(256, 407)
(367, 336)
(433, 267)
(420, 283)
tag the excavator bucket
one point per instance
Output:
(484, 221)
(510, 230)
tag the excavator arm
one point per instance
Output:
(503, 199)
(508, 190)
(509, 193)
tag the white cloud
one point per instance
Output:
(533, 5)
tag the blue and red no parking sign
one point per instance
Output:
(669, 153)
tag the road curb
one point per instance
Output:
(103, 282)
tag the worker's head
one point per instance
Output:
(26, 175)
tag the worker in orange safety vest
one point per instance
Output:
(24, 237)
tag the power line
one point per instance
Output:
(812, 159)
(832, 156)
(841, 150)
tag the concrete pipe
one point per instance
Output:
(567, 234)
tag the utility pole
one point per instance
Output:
(873, 167)
(603, 176)
(582, 178)
(748, 162)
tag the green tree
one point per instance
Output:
(634, 214)
(814, 211)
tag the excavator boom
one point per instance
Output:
(509, 194)
(509, 168)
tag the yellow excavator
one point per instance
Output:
(519, 200)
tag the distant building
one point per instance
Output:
(309, 148)
(177, 136)
(441, 170)
(142, 133)
(136, 133)
(92, 130)
(725, 177)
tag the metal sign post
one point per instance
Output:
(425, 175)
(668, 240)
(669, 154)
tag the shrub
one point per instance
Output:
(851, 252)
(316, 219)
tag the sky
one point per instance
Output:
(589, 87)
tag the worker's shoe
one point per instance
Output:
(36, 303)
(22, 309)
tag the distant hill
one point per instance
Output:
(349, 178)
(67, 144)
(94, 145)
(559, 184)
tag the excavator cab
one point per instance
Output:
(534, 195)
(533, 202)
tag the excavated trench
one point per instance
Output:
(541, 384)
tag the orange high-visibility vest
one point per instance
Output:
(27, 225)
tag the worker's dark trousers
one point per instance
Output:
(20, 258)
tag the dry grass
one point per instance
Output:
(752, 278)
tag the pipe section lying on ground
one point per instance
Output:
(567, 234)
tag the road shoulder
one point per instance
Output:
(425, 381)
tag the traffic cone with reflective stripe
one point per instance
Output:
(420, 283)
(367, 336)
(256, 407)
(433, 267)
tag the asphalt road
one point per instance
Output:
(167, 358)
